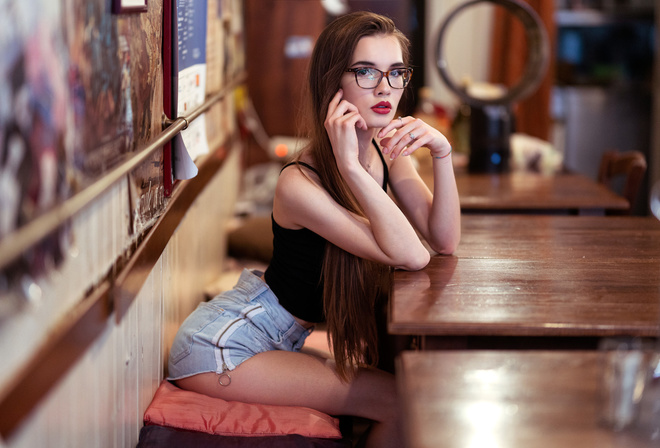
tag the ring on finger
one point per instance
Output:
(400, 120)
(412, 136)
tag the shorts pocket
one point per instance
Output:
(192, 328)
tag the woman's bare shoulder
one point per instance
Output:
(298, 191)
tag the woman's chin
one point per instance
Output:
(379, 122)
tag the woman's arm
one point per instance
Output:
(385, 235)
(437, 214)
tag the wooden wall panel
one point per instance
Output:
(274, 80)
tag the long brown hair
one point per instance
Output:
(351, 284)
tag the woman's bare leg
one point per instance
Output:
(303, 379)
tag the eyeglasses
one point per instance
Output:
(370, 78)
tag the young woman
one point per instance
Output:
(336, 231)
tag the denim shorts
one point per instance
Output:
(236, 325)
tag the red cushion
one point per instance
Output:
(178, 408)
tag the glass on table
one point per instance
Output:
(624, 376)
(655, 200)
(648, 421)
(647, 418)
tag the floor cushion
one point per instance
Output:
(177, 408)
(154, 436)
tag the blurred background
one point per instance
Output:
(596, 95)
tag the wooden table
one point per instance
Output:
(567, 193)
(526, 192)
(507, 399)
(536, 276)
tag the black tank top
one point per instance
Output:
(294, 272)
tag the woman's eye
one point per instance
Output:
(396, 73)
(363, 72)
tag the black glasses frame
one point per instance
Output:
(386, 74)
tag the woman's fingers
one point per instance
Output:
(341, 111)
(349, 118)
(397, 123)
(410, 135)
(404, 147)
(361, 123)
(335, 100)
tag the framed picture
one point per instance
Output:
(128, 6)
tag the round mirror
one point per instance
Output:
(478, 93)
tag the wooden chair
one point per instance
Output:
(625, 170)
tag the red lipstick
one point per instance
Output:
(384, 107)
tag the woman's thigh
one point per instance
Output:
(302, 379)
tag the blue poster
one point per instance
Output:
(191, 84)
(191, 25)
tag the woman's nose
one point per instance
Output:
(383, 87)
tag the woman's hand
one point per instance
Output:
(340, 123)
(411, 134)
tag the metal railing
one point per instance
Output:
(28, 235)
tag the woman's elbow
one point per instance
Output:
(416, 261)
(446, 246)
